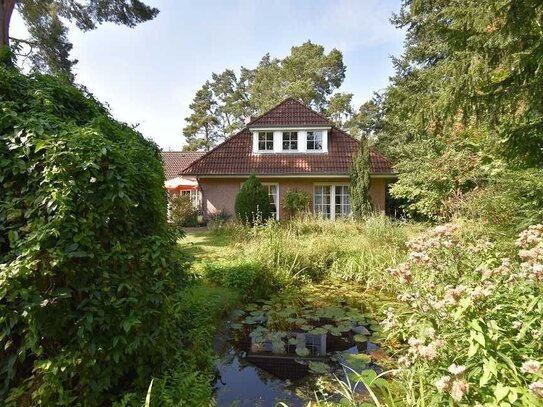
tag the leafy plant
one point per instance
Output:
(252, 202)
(296, 202)
(88, 263)
(182, 211)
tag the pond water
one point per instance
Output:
(278, 350)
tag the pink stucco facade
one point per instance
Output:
(220, 193)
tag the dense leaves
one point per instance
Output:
(465, 101)
(87, 263)
(45, 20)
(360, 172)
(252, 202)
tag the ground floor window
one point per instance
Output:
(332, 201)
(273, 193)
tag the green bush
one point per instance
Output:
(88, 264)
(246, 277)
(296, 202)
(252, 202)
(512, 200)
(182, 212)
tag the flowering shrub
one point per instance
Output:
(470, 320)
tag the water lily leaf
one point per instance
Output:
(236, 326)
(362, 330)
(318, 331)
(302, 351)
(292, 341)
(238, 313)
(318, 367)
(360, 338)
(357, 361)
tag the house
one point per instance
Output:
(176, 184)
(290, 147)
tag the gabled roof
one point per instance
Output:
(177, 161)
(290, 112)
(235, 155)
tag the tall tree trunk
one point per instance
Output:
(6, 10)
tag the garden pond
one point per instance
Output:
(296, 347)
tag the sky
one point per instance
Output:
(148, 75)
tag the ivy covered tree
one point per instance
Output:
(360, 181)
(252, 202)
(48, 42)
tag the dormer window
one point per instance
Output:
(290, 140)
(265, 141)
(314, 141)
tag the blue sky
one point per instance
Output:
(149, 74)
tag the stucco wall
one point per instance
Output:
(220, 193)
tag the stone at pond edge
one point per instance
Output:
(362, 330)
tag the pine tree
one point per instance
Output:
(201, 131)
(360, 181)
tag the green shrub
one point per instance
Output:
(296, 202)
(246, 277)
(88, 264)
(182, 211)
(252, 202)
(512, 200)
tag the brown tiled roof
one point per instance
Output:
(290, 112)
(177, 161)
(235, 156)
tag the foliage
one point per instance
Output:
(182, 211)
(466, 89)
(360, 172)
(45, 20)
(252, 202)
(308, 249)
(511, 200)
(218, 219)
(307, 74)
(191, 368)
(471, 317)
(200, 132)
(296, 202)
(87, 262)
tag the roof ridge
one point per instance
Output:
(282, 103)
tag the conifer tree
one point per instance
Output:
(252, 202)
(360, 181)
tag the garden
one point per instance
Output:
(373, 312)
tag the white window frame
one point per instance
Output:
(314, 133)
(266, 134)
(293, 137)
(302, 139)
(277, 203)
(332, 187)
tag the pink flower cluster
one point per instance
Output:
(455, 386)
(530, 243)
(418, 349)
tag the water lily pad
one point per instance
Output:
(362, 330)
(318, 331)
(302, 351)
(360, 338)
(238, 313)
(236, 326)
(318, 367)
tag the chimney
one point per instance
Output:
(248, 119)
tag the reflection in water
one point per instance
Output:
(253, 371)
